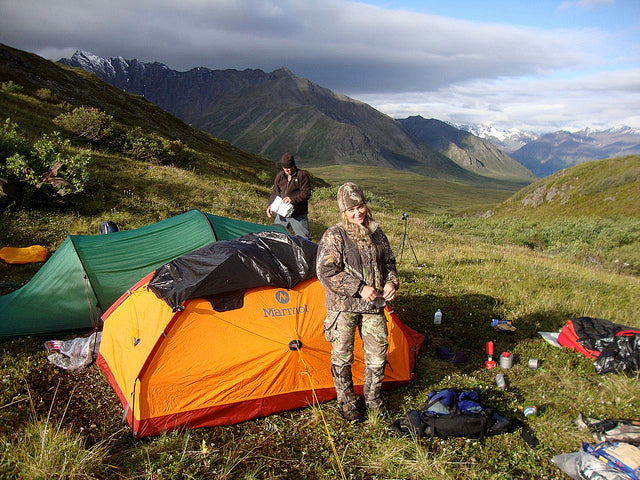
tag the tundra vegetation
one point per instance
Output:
(535, 272)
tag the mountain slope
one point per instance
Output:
(467, 150)
(132, 191)
(597, 188)
(562, 149)
(268, 113)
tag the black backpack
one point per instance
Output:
(452, 413)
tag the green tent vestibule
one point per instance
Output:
(87, 273)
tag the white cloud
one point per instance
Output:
(463, 68)
(539, 104)
(335, 43)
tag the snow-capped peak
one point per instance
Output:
(509, 140)
(98, 65)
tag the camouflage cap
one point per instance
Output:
(350, 195)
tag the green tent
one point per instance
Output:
(87, 273)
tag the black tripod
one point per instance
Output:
(405, 236)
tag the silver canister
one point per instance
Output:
(506, 360)
(534, 363)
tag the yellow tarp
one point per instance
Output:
(32, 254)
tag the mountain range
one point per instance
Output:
(548, 153)
(562, 149)
(464, 148)
(269, 113)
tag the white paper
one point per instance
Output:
(281, 208)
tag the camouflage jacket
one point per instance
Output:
(344, 268)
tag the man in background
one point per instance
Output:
(293, 186)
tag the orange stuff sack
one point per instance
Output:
(198, 367)
(32, 254)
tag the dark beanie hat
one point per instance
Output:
(287, 161)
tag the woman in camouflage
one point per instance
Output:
(356, 266)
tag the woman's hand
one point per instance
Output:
(369, 293)
(389, 292)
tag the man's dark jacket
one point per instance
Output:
(298, 188)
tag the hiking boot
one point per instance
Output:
(350, 412)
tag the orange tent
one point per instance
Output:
(199, 367)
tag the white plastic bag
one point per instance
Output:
(75, 353)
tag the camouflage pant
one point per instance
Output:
(340, 330)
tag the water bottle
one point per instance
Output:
(500, 381)
(437, 318)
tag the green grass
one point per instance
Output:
(418, 193)
(472, 281)
(611, 243)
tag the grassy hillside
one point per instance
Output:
(599, 188)
(67, 424)
(76, 416)
(203, 172)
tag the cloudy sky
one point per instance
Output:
(539, 65)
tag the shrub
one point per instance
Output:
(10, 87)
(155, 148)
(47, 166)
(265, 176)
(11, 142)
(90, 123)
(45, 95)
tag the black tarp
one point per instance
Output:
(222, 271)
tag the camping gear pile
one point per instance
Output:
(614, 456)
(615, 347)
